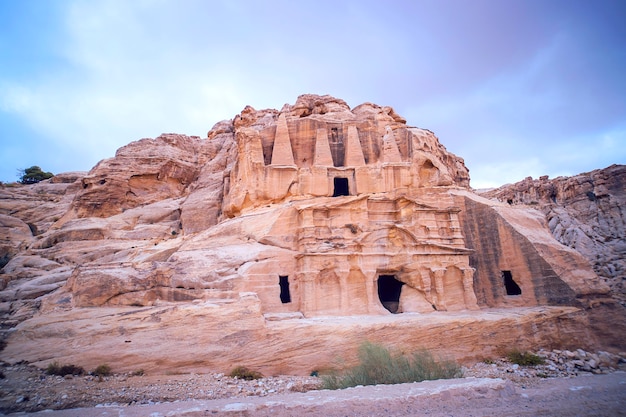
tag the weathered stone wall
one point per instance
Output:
(499, 247)
(585, 212)
(279, 221)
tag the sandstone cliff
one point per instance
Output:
(586, 212)
(279, 240)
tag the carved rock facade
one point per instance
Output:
(272, 225)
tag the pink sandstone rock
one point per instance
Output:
(584, 212)
(283, 240)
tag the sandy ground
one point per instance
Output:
(587, 395)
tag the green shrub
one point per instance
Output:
(33, 175)
(61, 370)
(241, 372)
(524, 358)
(378, 366)
(53, 368)
(102, 370)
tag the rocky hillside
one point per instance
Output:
(586, 212)
(286, 238)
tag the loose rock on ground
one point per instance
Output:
(27, 388)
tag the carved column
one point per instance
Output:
(307, 288)
(439, 274)
(426, 285)
(307, 293)
(468, 288)
(344, 294)
(371, 291)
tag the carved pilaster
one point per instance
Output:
(468, 288)
(307, 292)
(371, 291)
(439, 274)
(426, 285)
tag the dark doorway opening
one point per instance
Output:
(285, 295)
(389, 289)
(340, 187)
(511, 286)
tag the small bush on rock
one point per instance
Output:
(241, 372)
(102, 370)
(525, 358)
(61, 370)
(378, 366)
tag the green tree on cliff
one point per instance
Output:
(33, 175)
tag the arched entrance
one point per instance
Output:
(389, 289)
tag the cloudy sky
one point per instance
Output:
(516, 87)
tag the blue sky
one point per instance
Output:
(516, 87)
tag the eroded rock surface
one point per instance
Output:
(283, 238)
(586, 212)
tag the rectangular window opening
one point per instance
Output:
(340, 187)
(285, 295)
(510, 285)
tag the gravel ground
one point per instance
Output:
(26, 388)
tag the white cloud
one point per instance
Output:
(15, 98)
(527, 121)
(113, 90)
(124, 70)
(495, 174)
